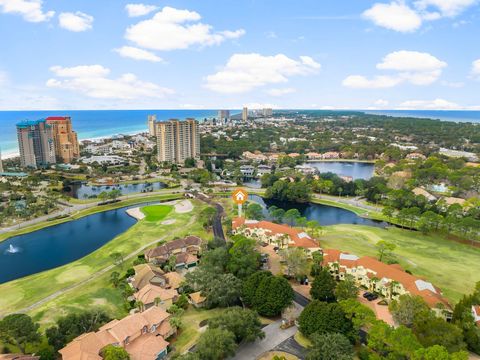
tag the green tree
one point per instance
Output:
(115, 278)
(296, 261)
(243, 323)
(207, 216)
(407, 308)
(267, 294)
(114, 194)
(117, 258)
(111, 352)
(244, 259)
(384, 248)
(291, 216)
(360, 315)
(216, 344)
(323, 287)
(346, 289)
(317, 260)
(322, 317)
(254, 211)
(19, 330)
(330, 346)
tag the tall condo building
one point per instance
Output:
(245, 114)
(1, 163)
(64, 138)
(36, 144)
(177, 140)
(152, 119)
(223, 115)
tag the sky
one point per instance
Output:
(304, 54)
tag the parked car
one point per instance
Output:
(372, 297)
(366, 294)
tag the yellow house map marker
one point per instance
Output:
(239, 197)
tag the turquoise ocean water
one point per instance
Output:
(101, 123)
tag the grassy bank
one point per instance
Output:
(90, 211)
(447, 264)
(21, 293)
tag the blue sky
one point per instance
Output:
(111, 54)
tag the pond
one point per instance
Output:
(324, 214)
(84, 191)
(357, 170)
(61, 244)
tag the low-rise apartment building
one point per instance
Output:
(281, 235)
(185, 250)
(390, 281)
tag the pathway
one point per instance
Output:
(274, 336)
(97, 274)
(356, 201)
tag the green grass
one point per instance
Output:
(156, 212)
(447, 264)
(23, 292)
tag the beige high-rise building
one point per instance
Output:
(65, 139)
(152, 119)
(177, 140)
(245, 114)
(35, 142)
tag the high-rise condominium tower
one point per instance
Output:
(223, 115)
(36, 144)
(245, 114)
(65, 139)
(1, 163)
(152, 119)
(177, 140)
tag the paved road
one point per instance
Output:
(356, 201)
(291, 346)
(74, 208)
(274, 336)
(217, 221)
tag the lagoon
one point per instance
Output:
(85, 191)
(356, 170)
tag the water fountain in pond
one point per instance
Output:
(12, 249)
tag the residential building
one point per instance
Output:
(151, 120)
(267, 112)
(177, 140)
(104, 160)
(416, 156)
(247, 171)
(185, 251)
(142, 335)
(458, 154)
(306, 169)
(1, 163)
(390, 281)
(245, 114)
(223, 115)
(281, 235)
(476, 314)
(263, 169)
(422, 192)
(196, 299)
(65, 139)
(36, 144)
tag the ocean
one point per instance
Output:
(90, 124)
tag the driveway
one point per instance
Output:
(274, 336)
(381, 311)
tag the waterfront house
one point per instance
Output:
(263, 169)
(390, 281)
(281, 235)
(142, 335)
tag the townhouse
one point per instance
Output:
(281, 235)
(142, 335)
(185, 252)
(390, 281)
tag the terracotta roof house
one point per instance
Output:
(420, 191)
(142, 335)
(161, 254)
(453, 200)
(476, 314)
(147, 274)
(390, 281)
(174, 280)
(149, 293)
(415, 156)
(196, 299)
(283, 235)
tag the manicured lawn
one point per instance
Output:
(451, 266)
(21, 293)
(156, 212)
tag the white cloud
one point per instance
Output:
(137, 54)
(381, 102)
(378, 82)
(280, 91)
(258, 106)
(476, 69)
(394, 16)
(92, 81)
(244, 72)
(399, 16)
(31, 10)
(414, 67)
(76, 22)
(437, 104)
(3, 78)
(135, 10)
(171, 29)
(444, 8)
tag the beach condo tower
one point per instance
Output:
(36, 144)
